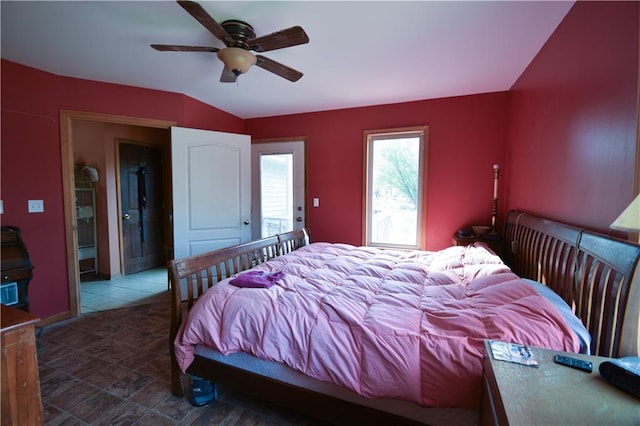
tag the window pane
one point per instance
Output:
(276, 192)
(394, 191)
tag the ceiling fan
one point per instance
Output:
(239, 39)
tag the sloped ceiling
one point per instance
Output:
(360, 53)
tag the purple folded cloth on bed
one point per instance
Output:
(256, 279)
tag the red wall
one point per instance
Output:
(466, 137)
(564, 137)
(573, 119)
(31, 158)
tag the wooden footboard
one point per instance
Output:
(191, 276)
(596, 274)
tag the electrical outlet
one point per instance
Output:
(36, 206)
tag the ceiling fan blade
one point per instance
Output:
(284, 38)
(278, 68)
(228, 76)
(194, 9)
(176, 48)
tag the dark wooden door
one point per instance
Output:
(142, 207)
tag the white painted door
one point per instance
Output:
(211, 190)
(278, 187)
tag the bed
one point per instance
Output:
(597, 277)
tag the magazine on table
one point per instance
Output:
(513, 352)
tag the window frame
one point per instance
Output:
(369, 137)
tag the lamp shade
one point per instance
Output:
(629, 219)
(236, 59)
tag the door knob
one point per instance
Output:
(126, 216)
(246, 222)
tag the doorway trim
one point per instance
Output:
(67, 118)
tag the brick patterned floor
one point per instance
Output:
(113, 368)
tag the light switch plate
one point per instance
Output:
(1, 207)
(316, 202)
(36, 206)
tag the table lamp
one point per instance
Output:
(629, 219)
(624, 373)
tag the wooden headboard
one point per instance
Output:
(596, 274)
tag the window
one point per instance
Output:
(395, 163)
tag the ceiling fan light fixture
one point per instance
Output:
(236, 59)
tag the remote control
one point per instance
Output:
(574, 363)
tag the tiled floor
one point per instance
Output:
(135, 289)
(112, 368)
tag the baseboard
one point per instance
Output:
(55, 318)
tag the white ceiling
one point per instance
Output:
(360, 53)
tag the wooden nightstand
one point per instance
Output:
(552, 394)
(494, 243)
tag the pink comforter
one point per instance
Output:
(405, 325)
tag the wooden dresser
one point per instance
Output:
(21, 401)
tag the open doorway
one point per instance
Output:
(101, 133)
(89, 134)
(141, 193)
